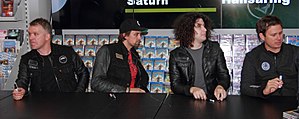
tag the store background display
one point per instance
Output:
(108, 14)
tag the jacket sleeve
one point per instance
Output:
(23, 78)
(177, 86)
(81, 72)
(222, 71)
(100, 81)
(249, 85)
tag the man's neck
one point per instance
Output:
(44, 51)
(196, 45)
(273, 50)
(127, 45)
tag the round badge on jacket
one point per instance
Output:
(62, 59)
(265, 66)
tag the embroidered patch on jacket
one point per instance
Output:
(62, 59)
(265, 66)
(33, 64)
(119, 56)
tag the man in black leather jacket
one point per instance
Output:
(49, 67)
(117, 67)
(197, 68)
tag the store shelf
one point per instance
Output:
(9, 19)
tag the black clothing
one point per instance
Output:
(48, 84)
(111, 71)
(261, 65)
(69, 71)
(181, 69)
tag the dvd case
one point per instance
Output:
(148, 64)
(69, 40)
(80, 39)
(90, 50)
(156, 87)
(113, 39)
(79, 49)
(10, 46)
(150, 42)
(103, 40)
(92, 39)
(57, 39)
(162, 42)
(157, 76)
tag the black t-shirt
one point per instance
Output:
(48, 81)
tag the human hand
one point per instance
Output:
(18, 93)
(198, 93)
(220, 93)
(136, 90)
(272, 85)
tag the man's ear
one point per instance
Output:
(262, 37)
(123, 34)
(49, 37)
(195, 31)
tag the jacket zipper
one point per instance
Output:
(275, 62)
(51, 62)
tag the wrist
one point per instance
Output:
(265, 92)
(191, 90)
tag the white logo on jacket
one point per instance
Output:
(62, 59)
(265, 66)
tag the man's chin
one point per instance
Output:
(33, 48)
(136, 45)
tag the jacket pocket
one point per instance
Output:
(183, 61)
(65, 69)
(66, 77)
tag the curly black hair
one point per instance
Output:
(184, 27)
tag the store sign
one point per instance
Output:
(245, 13)
(147, 2)
(283, 2)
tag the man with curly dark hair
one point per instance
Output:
(197, 68)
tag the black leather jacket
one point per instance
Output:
(69, 71)
(181, 69)
(111, 72)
